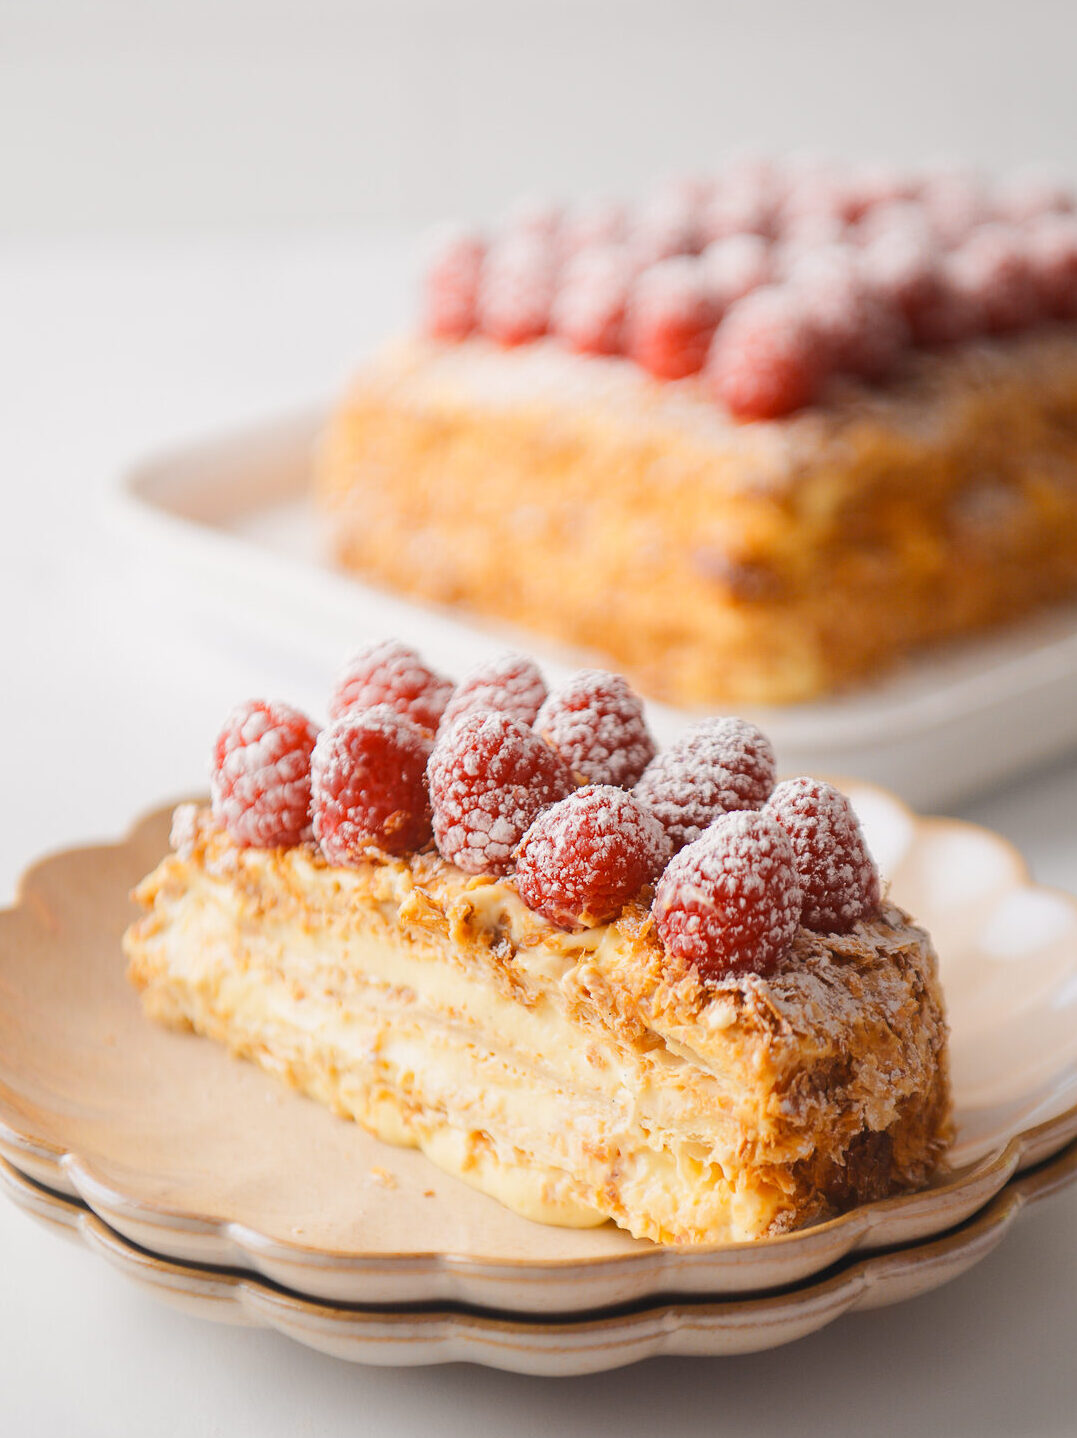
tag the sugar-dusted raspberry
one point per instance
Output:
(716, 766)
(490, 777)
(368, 782)
(872, 186)
(767, 360)
(596, 723)
(730, 902)
(583, 859)
(590, 224)
(665, 225)
(735, 266)
(589, 310)
(864, 335)
(838, 880)
(511, 684)
(957, 313)
(517, 288)
(906, 217)
(671, 318)
(904, 267)
(742, 204)
(955, 201)
(391, 673)
(1052, 255)
(992, 266)
(260, 783)
(451, 284)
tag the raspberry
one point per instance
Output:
(391, 673)
(582, 860)
(368, 785)
(671, 318)
(838, 880)
(872, 187)
(993, 269)
(957, 314)
(260, 783)
(863, 334)
(903, 268)
(511, 685)
(589, 311)
(595, 722)
(729, 903)
(717, 766)
(766, 359)
(596, 223)
(1052, 254)
(741, 205)
(666, 225)
(451, 284)
(517, 289)
(490, 777)
(735, 266)
(955, 202)
(903, 217)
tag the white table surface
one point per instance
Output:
(109, 695)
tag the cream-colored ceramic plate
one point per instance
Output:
(566, 1346)
(191, 1154)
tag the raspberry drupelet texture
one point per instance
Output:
(583, 859)
(511, 684)
(671, 318)
(716, 766)
(260, 783)
(838, 879)
(596, 723)
(368, 782)
(451, 284)
(767, 359)
(735, 266)
(862, 333)
(490, 777)
(391, 673)
(730, 902)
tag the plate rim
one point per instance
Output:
(235, 1296)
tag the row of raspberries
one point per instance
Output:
(563, 792)
(769, 279)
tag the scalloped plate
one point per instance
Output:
(568, 1346)
(195, 1156)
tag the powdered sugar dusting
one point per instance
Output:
(596, 723)
(718, 765)
(368, 780)
(583, 859)
(391, 673)
(730, 902)
(837, 875)
(490, 776)
(511, 684)
(260, 784)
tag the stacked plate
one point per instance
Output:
(227, 1193)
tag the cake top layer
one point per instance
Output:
(769, 280)
(574, 810)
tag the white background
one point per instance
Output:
(187, 199)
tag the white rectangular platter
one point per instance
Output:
(234, 513)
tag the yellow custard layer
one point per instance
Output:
(575, 1077)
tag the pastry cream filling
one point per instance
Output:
(574, 1077)
(507, 1095)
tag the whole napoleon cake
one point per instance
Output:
(754, 438)
(594, 981)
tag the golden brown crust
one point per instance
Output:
(817, 1087)
(790, 557)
